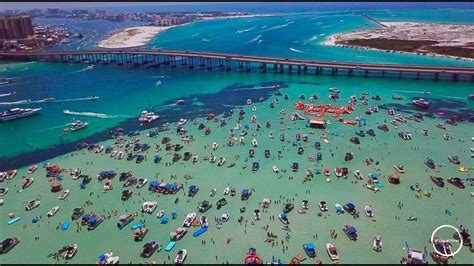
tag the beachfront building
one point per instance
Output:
(15, 27)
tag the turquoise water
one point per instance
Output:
(125, 92)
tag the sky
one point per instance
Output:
(198, 6)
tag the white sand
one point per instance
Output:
(132, 37)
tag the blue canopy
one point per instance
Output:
(374, 175)
(310, 246)
(338, 208)
(193, 187)
(283, 215)
(82, 185)
(60, 177)
(350, 206)
(245, 191)
(164, 220)
(92, 220)
(101, 257)
(351, 230)
(153, 184)
(171, 186)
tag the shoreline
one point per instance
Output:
(333, 38)
(142, 35)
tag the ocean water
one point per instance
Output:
(125, 92)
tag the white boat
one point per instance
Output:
(372, 187)
(254, 143)
(221, 161)
(213, 192)
(181, 256)
(149, 206)
(63, 195)
(182, 122)
(369, 211)
(108, 258)
(32, 169)
(323, 206)
(189, 219)
(3, 191)
(377, 243)
(148, 117)
(358, 174)
(332, 252)
(226, 191)
(70, 251)
(113, 154)
(141, 182)
(107, 185)
(99, 149)
(78, 125)
(32, 204)
(120, 155)
(215, 146)
(275, 169)
(53, 211)
(224, 217)
(160, 213)
(400, 168)
(16, 113)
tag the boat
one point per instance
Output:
(53, 211)
(437, 180)
(70, 251)
(350, 231)
(288, 207)
(369, 211)
(400, 168)
(284, 218)
(323, 206)
(221, 161)
(199, 232)
(430, 163)
(94, 221)
(124, 220)
(339, 208)
(350, 208)
(108, 258)
(178, 233)
(126, 194)
(77, 213)
(78, 125)
(189, 219)
(32, 204)
(107, 185)
(14, 220)
(181, 256)
(358, 174)
(149, 248)
(421, 102)
(457, 182)
(397, 97)
(32, 169)
(141, 182)
(377, 243)
(63, 195)
(16, 113)
(26, 182)
(204, 206)
(182, 122)
(160, 213)
(354, 140)
(170, 245)
(224, 217)
(148, 117)
(203, 221)
(454, 159)
(310, 250)
(140, 233)
(332, 252)
(8, 244)
(338, 171)
(3, 191)
(383, 127)
(412, 218)
(149, 206)
(9, 175)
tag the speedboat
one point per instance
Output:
(358, 174)
(189, 219)
(204, 206)
(213, 192)
(454, 159)
(53, 211)
(275, 169)
(457, 182)
(77, 213)
(221, 161)
(369, 211)
(224, 217)
(149, 206)
(421, 102)
(32, 204)
(204, 222)
(10, 174)
(430, 163)
(148, 117)
(140, 233)
(32, 169)
(107, 259)
(283, 218)
(181, 256)
(26, 182)
(178, 233)
(3, 191)
(323, 206)
(8, 244)
(70, 251)
(288, 207)
(226, 191)
(107, 185)
(400, 168)
(332, 252)
(182, 121)
(141, 182)
(338, 171)
(377, 243)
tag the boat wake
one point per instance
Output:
(47, 101)
(72, 100)
(7, 94)
(160, 77)
(313, 38)
(245, 30)
(255, 39)
(260, 41)
(417, 92)
(157, 83)
(278, 27)
(17, 102)
(91, 114)
(296, 50)
(456, 97)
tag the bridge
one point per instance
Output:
(190, 59)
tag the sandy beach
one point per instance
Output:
(132, 37)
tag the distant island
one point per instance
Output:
(452, 40)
